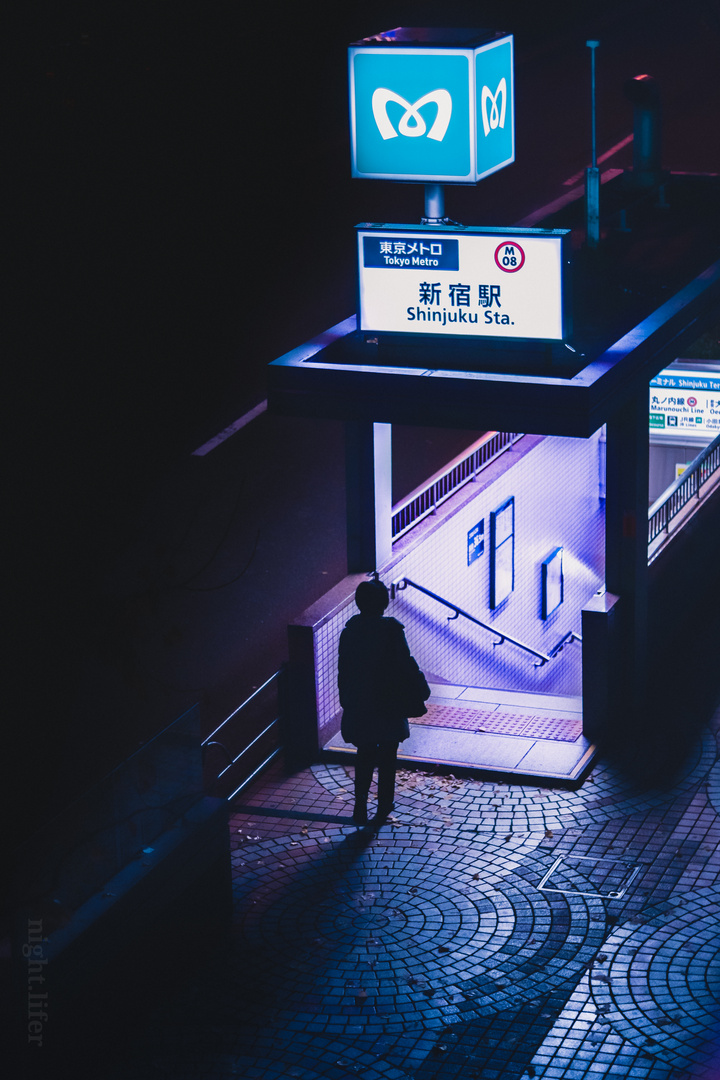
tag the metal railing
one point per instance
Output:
(572, 635)
(402, 583)
(460, 471)
(234, 759)
(683, 490)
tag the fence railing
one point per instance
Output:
(686, 487)
(247, 759)
(461, 470)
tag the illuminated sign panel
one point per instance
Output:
(431, 114)
(495, 108)
(685, 403)
(469, 282)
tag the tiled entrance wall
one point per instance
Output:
(555, 483)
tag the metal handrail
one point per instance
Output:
(402, 583)
(211, 741)
(682, 490)
(572, 635)
(460, 471)
(248, 747)
(240, 707)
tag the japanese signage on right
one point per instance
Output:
(469, 282)
(685, 403)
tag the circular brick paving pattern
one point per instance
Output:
(359, 932)
(660, 984)
(488, 805)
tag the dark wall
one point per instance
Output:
(684, 630)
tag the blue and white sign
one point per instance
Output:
(476, 542)
(463, 282)
(431, 114)
(685, 403)
(495, 107)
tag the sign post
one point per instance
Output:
(435, 205)
(592, 175)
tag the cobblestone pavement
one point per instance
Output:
(488, 930)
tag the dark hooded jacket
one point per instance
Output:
(375, 669)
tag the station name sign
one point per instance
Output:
(431, 110)
(462, 282)
(685, 403)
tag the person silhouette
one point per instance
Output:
(380, 685)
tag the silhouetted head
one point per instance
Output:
(372, 597)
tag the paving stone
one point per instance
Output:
(425, 950)
(443, 920)
(662, 988)
(608, 794)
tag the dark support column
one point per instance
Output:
(368, 467)
(599, 665)
(298, 712)
(626, 566)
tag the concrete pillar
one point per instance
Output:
(368, 469)
(626, 566)
(599, 663)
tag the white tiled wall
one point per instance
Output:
(555, 486)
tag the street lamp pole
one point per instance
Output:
(592, 175)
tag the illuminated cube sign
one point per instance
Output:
(425, 108)
(462, 282)
(684, 402)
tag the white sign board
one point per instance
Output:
(685, 403)
(469, 282)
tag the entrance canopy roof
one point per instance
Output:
(340, 375)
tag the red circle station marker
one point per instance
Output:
(509, 256)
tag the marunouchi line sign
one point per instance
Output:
(462, 281)
(419, 112)
(685, 402)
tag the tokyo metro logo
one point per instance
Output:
(431, 114)
(411, 123)
(496, 117)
